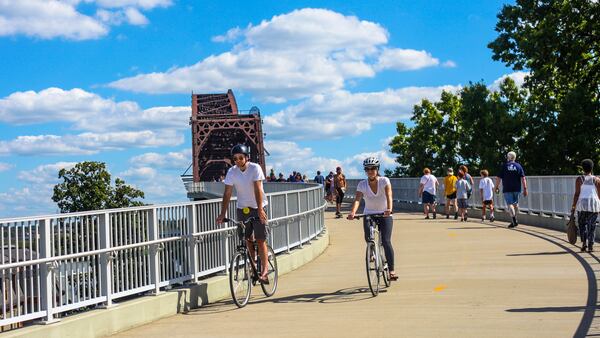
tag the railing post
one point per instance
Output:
(154, 248)
(552, 193)
(287, 225)
(46, 271)
(106, 261)
(299, 220)
(192, 227)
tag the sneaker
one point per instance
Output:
(511, 225)
(583, 248)
(434, 215)
(447, 216)
(465, 217)
(426, 217)
(590, 249)
(492, 218)
(456, 215)
(514, 222)
(461, 219)
(482, 219)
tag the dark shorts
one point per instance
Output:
(340, 195)
(488, 202)
(260, 230)
(463, 203)
(451, 196)
(427, 198)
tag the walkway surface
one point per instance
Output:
(456, 279)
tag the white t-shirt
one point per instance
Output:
(429, 182)
(374, 203)
(243, 182)
(488, 188)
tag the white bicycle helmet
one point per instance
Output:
(371, 162)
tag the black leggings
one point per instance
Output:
(385, 225)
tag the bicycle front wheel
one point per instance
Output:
(272, 273)
(372, 268)
(385, 270)
(239, 279)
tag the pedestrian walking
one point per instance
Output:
(469, 179)
(339, 183)
(427, 190)
(329, 187)
(512, 177)
(450, 192)
(586, 202)
(320, 179)
(486, 189)
(462, 195)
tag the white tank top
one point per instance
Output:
(588, 196)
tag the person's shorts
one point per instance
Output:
(488, 202)
(260, 230)
(340, 196)
(451, 196)
(428, 198)
(462, 203)
(511, 197)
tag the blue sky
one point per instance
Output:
(110, 80)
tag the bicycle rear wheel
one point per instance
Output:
(385, 271)
(272, 273)
(239, 279)
(372, 268)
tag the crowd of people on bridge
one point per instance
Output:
(458, 190)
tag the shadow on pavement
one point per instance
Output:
(340, 296)
(550, 309)
(540, 253)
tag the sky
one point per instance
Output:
(110, 81)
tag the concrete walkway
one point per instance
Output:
(456, 280)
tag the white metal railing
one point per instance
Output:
(547, 195)
(58, 263)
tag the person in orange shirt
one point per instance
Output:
(450, 192)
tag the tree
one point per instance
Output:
(559, 44)
(87, 186)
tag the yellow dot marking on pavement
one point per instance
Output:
(439, 288)
(452, 234)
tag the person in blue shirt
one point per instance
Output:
(512, 177)
(320, 179)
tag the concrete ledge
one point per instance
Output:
(143, 310)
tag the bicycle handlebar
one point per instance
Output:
(358, 216)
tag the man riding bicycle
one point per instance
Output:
(377, 192)
(247, 178)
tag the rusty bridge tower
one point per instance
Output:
(217, 126)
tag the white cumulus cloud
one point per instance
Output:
(343, 113)
(172, 160)
(517, 77)
(48, 19)
(291, 56)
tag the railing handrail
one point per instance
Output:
(139, 208)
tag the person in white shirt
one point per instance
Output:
(586, 201)
(427, 190)
(247, 178)
(377, 193)
(486, 188)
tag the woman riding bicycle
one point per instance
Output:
(377, 193)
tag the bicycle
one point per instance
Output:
(376, 262)
(243, 272)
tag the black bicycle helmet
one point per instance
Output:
(240, 149)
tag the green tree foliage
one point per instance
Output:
(475, 127)
(558, 42)
(87, 186)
